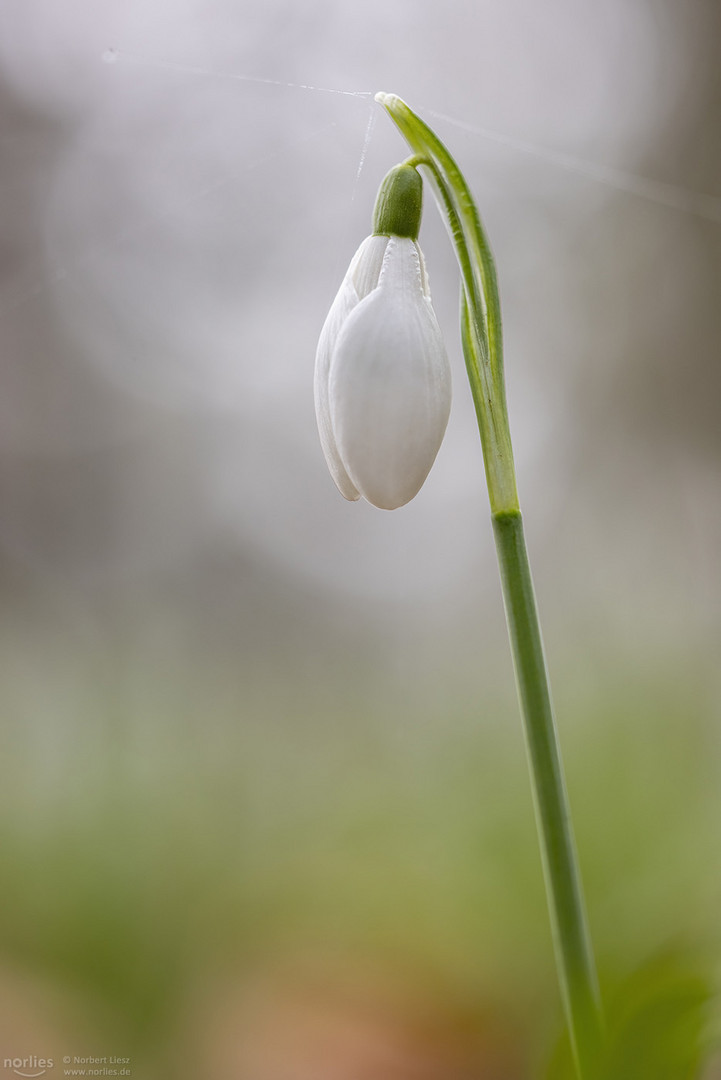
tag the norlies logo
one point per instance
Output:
(28, 1066)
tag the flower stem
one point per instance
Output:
(481, 337)
(572, 944)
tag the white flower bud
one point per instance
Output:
(382, 378)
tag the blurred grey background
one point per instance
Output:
(241, 717)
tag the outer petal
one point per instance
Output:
(362, 276)
(390, 384)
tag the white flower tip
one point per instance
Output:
(386, 99)
(351, 496)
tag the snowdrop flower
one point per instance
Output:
(382, 378)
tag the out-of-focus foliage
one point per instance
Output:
(352, 862)
(657, 1025)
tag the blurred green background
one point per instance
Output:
(264, 810)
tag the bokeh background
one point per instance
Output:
(264, 811)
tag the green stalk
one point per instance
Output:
(481, 336)
(572, 944)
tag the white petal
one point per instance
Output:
(367, 265)
(362, 276)
(390, 384)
